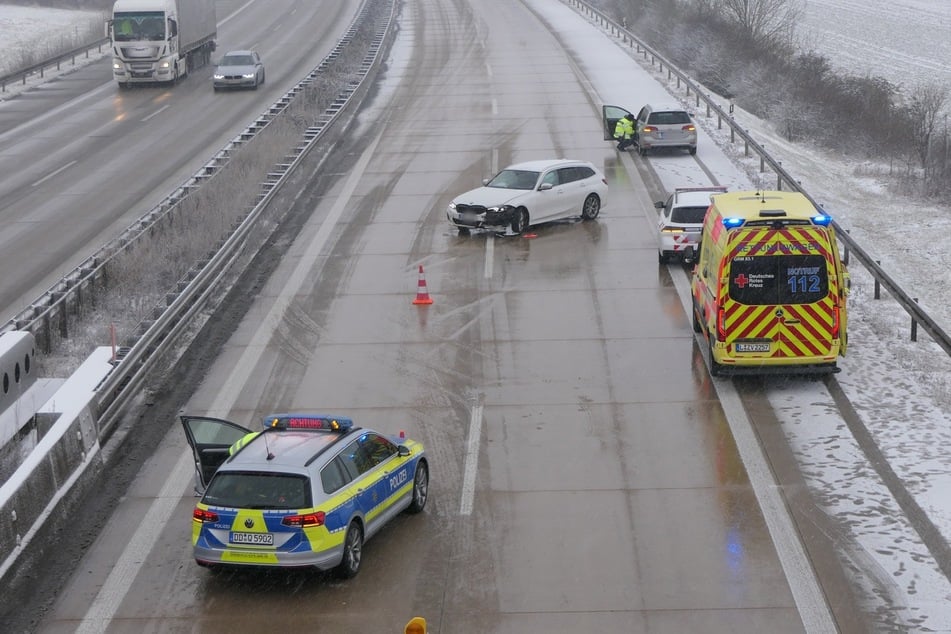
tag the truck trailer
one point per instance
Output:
(160, 41)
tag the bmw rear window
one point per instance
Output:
(257, 490)
(778, 279)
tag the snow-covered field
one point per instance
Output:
(900, 389)
(907, 42)
(43, 32)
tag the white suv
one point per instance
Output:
(681, 222)
(667, 126)
(530, 193)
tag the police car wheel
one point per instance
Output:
(420, 489)
(352, 552)
(591, 207)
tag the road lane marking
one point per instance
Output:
(120, 579)
(157, 112)
(52, 174)
(810, 601)
(472, 461)
(119, 582)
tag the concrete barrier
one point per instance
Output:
(63, 461)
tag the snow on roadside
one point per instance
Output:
(39, 29)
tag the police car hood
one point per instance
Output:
(492, 196)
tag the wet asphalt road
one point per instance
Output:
(584, 475)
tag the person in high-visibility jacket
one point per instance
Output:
(624, 131)
(233, 449)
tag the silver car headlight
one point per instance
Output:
(248, 75)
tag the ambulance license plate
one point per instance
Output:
(263, 539)
(752, 347)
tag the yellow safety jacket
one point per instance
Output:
(233, 449)
(624, 128)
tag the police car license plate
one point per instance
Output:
(262, 539)
(752, 347)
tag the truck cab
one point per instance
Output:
(160, 41)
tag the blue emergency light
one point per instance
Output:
(318, 422)
(733, 223)
(822, 220)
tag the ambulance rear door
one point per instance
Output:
(779, 306)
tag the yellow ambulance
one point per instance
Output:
(769, 287)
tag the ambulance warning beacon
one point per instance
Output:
(769, 288)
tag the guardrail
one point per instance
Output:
(20, 76)
(783, 177)
(51, 312)
(64, 465)
(121, 385)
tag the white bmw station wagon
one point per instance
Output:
(530, 193)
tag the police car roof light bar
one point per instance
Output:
(314, 422)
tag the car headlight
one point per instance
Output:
(452, 206)
(248, 75)
(219, 76)
(165, 64)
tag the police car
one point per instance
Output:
(307, 490)
(681, 222)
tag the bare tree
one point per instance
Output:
(765, 22)
(926, 105)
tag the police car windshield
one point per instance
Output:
(247, 490)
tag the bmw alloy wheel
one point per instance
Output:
(591, 207)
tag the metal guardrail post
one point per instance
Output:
(914, 325)
(878, 285)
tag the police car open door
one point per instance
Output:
(610, 115)
(210, 439)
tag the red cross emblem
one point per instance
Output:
(741, 280)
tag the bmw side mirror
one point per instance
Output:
(544, 187)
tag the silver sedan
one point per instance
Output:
(239, 69)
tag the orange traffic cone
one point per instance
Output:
(422, 295)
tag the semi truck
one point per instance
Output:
(160, 41)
